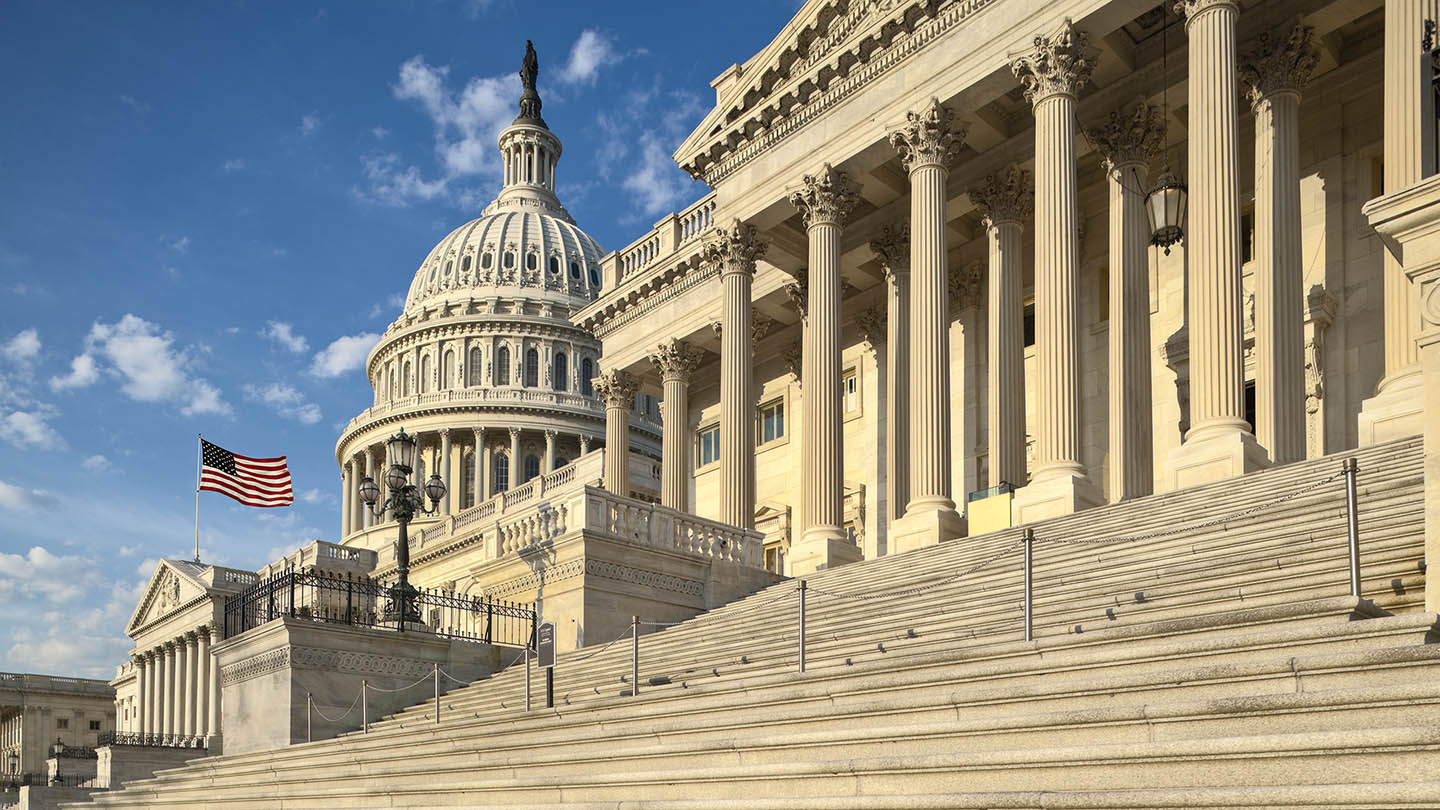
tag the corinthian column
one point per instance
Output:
(167, 689)
(1397, 408)
(515, 464)
(202, 682)
(617, 389)
(347, 511)
(825, 200)
(893, 248)
(142, 678)
(479, 462)
(1126, 142)
(1219, 443)
(190, 698)
(1052, 74)
(445, 470)
(212, 701)
(676, 360)
(927, 143)
(1004, 200)
(735, 249)
(1273, 76)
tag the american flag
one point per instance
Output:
(251, 481)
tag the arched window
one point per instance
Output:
(447, 370)
(405, 380)
(530, 261)
(450, 265)
(501, 474)
(587, 372)
(390, 389)
(575, 270)
(532, 467)
(425, 374)
(594, 278)
(502, 365)
(476, 364)
(467, 479)
(532, 368)
(562, 371)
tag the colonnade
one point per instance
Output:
(443, 450)
(178, 685)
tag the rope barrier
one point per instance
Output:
(423, 679)
(625, 634)
(455, 679)
(1010, 549)
(329, 719)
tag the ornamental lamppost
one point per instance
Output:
(405, 501)
(14, 760)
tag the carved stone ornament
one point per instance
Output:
(677, 359)
(1132, 137)
(760, 326)
(893, 248)
(1059, 64)
(1190, 8)
(966, 284)
(794, 359)
(1007, 196)
(827, 197)
(617, 388)
(167, 591)
(799, 292)
(929, 137)
(871, 325)
(735, 248)
(1279, 64)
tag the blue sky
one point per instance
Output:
(208, 211)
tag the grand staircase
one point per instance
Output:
(1212, 663)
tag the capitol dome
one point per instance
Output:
(484, 366)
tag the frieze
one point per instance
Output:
(255, 666)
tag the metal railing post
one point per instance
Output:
(292, 595)
(802, 625)
(309, 716)
(527, 676)
(1352, 521)
(1028, 539)
(634, 656)
(365, 706)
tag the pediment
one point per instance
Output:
(170, 588)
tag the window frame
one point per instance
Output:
(700, 435)
(776, 406)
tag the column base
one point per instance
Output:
(1214, 457)
(819, 550)
(921, 528)
(1395, 412)
(1063, 494)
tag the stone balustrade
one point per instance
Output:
(498, 396)
(668, 234)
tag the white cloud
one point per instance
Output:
(379, 133)
(658, 185)
(308, 124)
(391, 184)
(390, 304)
(591, 51)
(96, 463)
(56, 631)
(284, 334)
(82, 373)
(151, 367)
(317, 496)
(134, 104)
(343, 354)
(181, 245)
(233, 165)
(19, 499)
(31, 428)
(286, 401)
(23, 347)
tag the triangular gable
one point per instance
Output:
(171, 586)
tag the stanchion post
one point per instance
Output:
(1027, 538)
(1352, 521)
(309, 716)
(365, 706)
(527, 676)
(634, 656)
(437, 693)
(802, 625)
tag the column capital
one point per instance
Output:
(929, 137)
(893, 248)
(735, 248)
(870, 322)
(479, 433)
(760, 326)
(827, 197)
(1279, 64)
(514, 433)
(1058, 64)
(1129, 137)
(799, 293)
(551, 434)
(966, 284)
(1006, 196)
(444, 432)
(1194, 8)
(617, 388)
(794, 358)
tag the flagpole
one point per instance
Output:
(198, 440)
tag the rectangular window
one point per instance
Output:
(775, 558)
(62, 722)
(94, 725)
(1028, 327)
(772, 421)
(709, 446)
(850, 391)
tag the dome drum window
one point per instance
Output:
(487, 260)
(575, 270)
(554, 265)
(465, 265)
(509, 261)
(531, 261)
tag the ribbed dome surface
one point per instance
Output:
(506, 252)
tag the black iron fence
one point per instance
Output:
(368, 603)
(148, 740)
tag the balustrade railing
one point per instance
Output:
(147, 739)
(666, 237)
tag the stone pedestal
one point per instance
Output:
(1409, 222)
(926, 528)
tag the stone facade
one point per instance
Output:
(36, 711)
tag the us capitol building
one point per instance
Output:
(966, 266)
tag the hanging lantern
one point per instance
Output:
(1166, 206)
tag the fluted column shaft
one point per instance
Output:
(1057, 260)
(893, 247)
(549, 451)
(1217, 373)
(929, 343)
(479, 462)
(167, 690)
(347, 508)
(1279, 297)
(154, 716)
(735, 248)
(1132, 466)
(212, 701)
(676, 360)
(1006, 355)
(445, 470)
(202, 682)
(823, 484)
(189, 695)
(515, 467)
(617, 389)
(142, 680)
